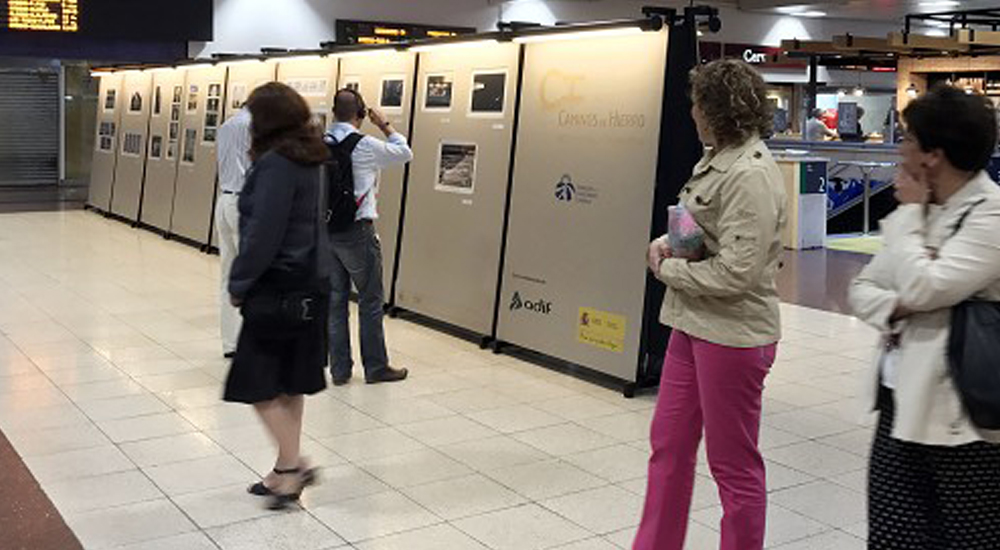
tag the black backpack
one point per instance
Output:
(342, 207)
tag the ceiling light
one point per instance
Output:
(911, 91)
(792, 10)
(314, 57)
(858, 92)
(602, 33)
(841, 94)
(453, 45)
(939, 4)
(99, 74)
(811, 13)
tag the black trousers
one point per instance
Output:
(926, 497)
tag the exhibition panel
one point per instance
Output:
(136, 106)
(315, 79)
(458, 184)
(385, 79)
(202, 104)
(243, 78)
(102, 175)
(584, 181)
(164, 148)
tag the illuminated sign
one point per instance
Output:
(44, 21)
(43, 15)
(369, 32)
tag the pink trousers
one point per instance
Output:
(718, 389)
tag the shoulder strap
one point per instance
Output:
(965, 216)
(351, 142)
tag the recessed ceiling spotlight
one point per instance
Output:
(792, 10)
(939, 4)
(811, 13)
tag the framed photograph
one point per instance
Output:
(439, 91)
(132, 144)
(239, 96)
(214, 105)
(456, 167)
(172, 150)
(156, 147)
(215, 90)
(190, 142)
(489, 93)
(178, 94)
(352, 83)
(157, 101)
(135, 104)
(210, 135)
(109, 99)
(392, 92)
(175, 131)
(192, 102)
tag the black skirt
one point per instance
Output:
(271, 361)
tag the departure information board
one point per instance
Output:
(42, 15)
(371, 32)
(144, 20)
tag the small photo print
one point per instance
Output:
(109, 100)
(178, 94)
(175, 112)
(239, 93)
(156, 147)
(132, 144)
(135, 105)
(214, 104)
(352, 84)
(392, 93)
(192, 103)
(157, 101)
(172, 150)
(214, 90)
(190, 141)
(489, 92)
(456, 168)
(210, 134)
(439, 92)
(175, 131)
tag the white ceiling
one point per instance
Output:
(884, 10)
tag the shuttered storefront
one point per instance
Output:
(29, 127)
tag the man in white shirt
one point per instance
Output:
(816, 129)
(357, 251)
(233, 157)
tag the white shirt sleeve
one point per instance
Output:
(391, 152)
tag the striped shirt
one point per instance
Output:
(233, 151)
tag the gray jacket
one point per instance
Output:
(279, 208)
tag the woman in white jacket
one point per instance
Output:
(934, 478)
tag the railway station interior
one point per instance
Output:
(546, 377)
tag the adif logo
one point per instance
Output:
(565, 190)
(537, 306)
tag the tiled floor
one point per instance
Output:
(110, 383)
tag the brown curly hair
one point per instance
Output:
(282, 121)
(733, 97)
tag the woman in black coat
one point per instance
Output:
(280, 281)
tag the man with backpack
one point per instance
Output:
(353, 180)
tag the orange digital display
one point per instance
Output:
(43, 15)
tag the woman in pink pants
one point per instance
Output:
(723, 307)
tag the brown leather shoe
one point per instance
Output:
(387, 374)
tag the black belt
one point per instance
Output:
(227, 192)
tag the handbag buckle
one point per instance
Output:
(307, 309)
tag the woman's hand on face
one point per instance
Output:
(911, 189)
(659, 250)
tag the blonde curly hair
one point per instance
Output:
(733, 97)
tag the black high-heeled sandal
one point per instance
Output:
(309, 477)
(280, 501)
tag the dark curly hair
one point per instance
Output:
(733, 97)
(963, 126)
(282, 122)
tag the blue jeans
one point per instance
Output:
(357, 258)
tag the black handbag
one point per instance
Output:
(974, 355)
